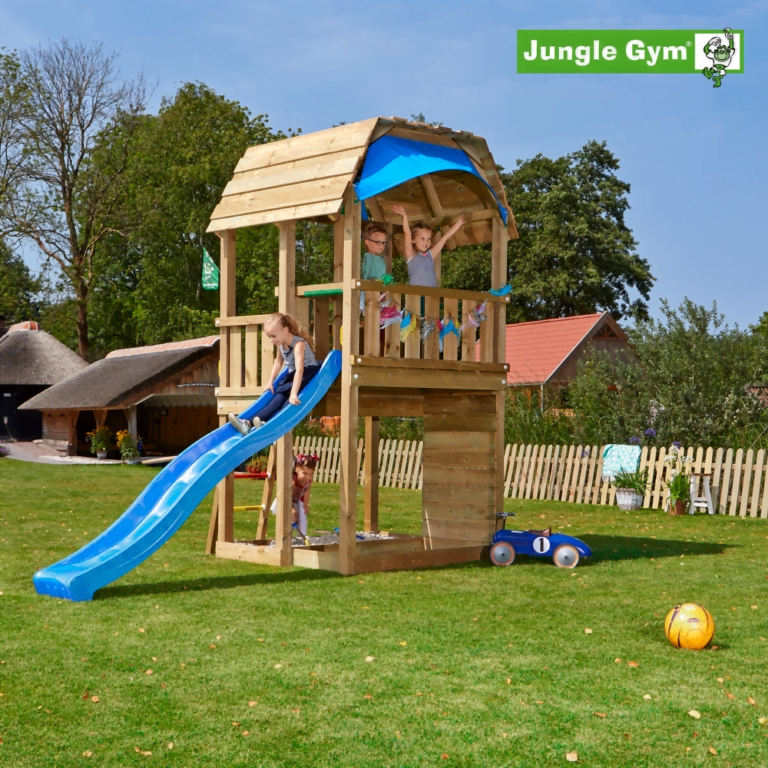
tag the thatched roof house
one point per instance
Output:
(31, 360)
(164, 394)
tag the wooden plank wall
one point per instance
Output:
(459, 468)
(572, 472)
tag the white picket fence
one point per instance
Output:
(571, 473)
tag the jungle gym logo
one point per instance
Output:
(713, 53)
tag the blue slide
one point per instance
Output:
(165, 504)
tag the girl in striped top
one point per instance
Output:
(295, 350)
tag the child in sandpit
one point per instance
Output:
(303, 473)
(295, 350)
(419, 257)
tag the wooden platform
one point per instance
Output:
(401, 553)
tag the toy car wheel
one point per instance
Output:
(566, 556)
(502, 553)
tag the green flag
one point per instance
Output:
(210, 273)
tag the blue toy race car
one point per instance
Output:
(565, 551)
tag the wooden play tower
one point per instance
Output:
(460, 391)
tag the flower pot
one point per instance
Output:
(627, 499)
(679, 507)
(101, 454)
(133, 460)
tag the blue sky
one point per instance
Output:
(695, 156)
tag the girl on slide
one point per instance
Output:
(294, 349)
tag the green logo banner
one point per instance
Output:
(210, 273)
(713, 53)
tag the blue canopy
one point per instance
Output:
(391, 161)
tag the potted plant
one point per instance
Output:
(630, 488)
(127, 446)
(679, 487)
(257, 465)
(100, 439)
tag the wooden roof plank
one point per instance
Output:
(307, 145)
(282, 197)
(294, 172)
(326, 208)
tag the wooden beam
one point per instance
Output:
(499, 277)
(243, 320)
(338, 276)
(72, 433)
(430, 365)
(266, 498)
(436, 208)
(370, 376)
(130, 415)
(213, 526)
(378, 214)
(371, 474)
(284, 450)
(226, 524)
(322, 307)
(423, 290)
(349, 394)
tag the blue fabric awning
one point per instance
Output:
(390, 161)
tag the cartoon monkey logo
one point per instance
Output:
(721, 57)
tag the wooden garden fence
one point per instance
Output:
(572, 472)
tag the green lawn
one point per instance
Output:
(241, 665)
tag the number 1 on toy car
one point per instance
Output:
(541, 544)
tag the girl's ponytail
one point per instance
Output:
(290, 323)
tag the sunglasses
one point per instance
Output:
(378, 242)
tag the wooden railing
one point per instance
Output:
(434, 304)
(573, 473)
(248, 355)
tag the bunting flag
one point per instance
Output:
(210, 273)
(390, 313)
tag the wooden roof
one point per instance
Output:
(305, 177)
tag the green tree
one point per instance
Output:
(761, 327)
(151, 289)
(64, 148)
(18, 288)
(694, 383)
(575, 254)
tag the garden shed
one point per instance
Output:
(163, 394)
(31, 361)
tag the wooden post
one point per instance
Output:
(213, 526)
(349, 393)
(266, 498)
(371, 473)
(499, 240)
(131, 416)
(72, 433)
(338, 276)
(226, 488)
(284, 447)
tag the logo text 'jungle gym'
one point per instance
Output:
(713, 53)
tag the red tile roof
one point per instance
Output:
(207, 341)
(536, 350)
